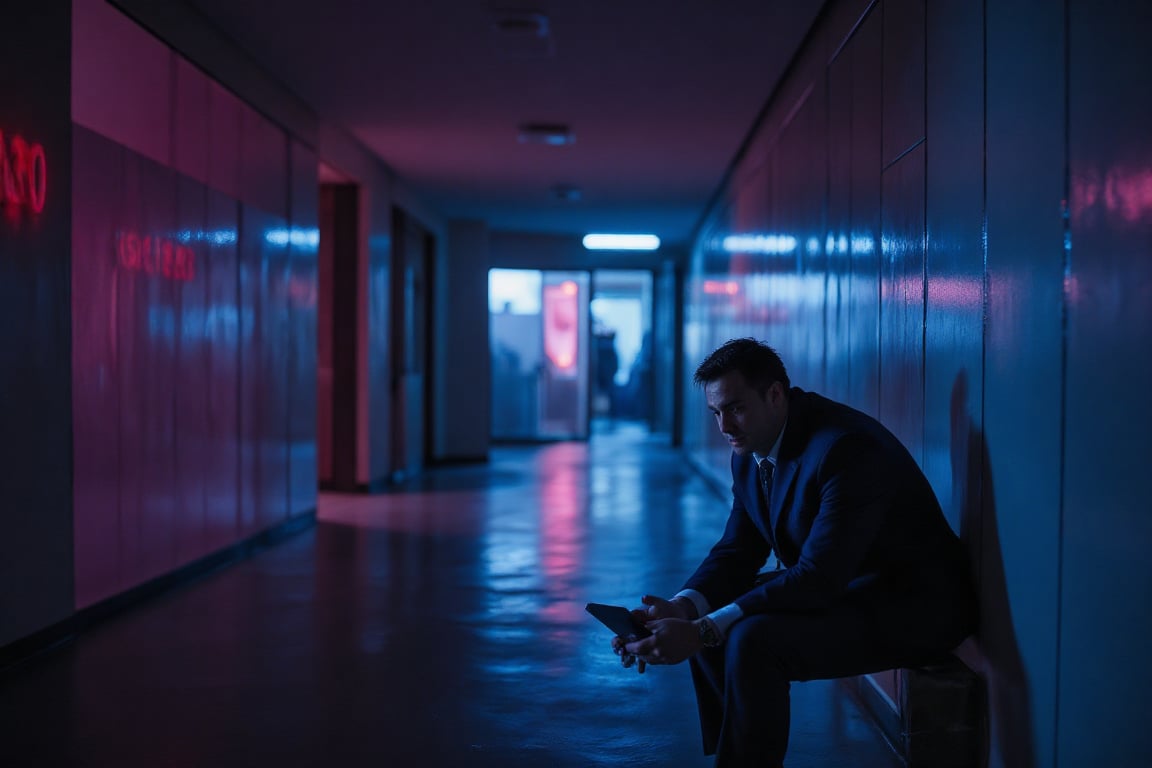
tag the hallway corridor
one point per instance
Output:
(440, 624)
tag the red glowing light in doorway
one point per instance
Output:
(155, 255)
(561, 326)
(23, 173)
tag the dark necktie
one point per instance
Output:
(766, 469)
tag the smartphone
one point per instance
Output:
(618, 619)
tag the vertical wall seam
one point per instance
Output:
(878, 329)
(924, 248)
(985, 469)
(290, 377)
(1066, 256)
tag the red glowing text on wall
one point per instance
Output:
(155, 255)
(23, 173)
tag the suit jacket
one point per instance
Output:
(849, 505)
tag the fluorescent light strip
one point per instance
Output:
(621, 242)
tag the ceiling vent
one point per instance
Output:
(520, 34)
(567, 193)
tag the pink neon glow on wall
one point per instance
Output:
(561, 326)
(23, 173)
(155, 255)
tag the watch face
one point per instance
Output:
(708, 634)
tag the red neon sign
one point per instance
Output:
(155, 255)
(561, 326)
(23, 173)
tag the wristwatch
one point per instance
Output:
(709, 633)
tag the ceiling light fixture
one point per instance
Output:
(551, 134)
(605, 242)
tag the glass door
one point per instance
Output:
(540, 357)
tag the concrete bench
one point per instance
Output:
(943, 716)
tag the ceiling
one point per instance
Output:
(659, 96)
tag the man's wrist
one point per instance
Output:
(709, 633)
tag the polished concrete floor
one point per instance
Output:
(442, 624)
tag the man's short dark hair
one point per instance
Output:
(757, 362)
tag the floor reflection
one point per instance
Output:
(439, 624)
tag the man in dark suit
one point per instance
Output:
(870, 576)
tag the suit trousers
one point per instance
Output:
(742, 687)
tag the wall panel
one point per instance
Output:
(302, 292)
(1020, 546)
(276, 349)
(36, 567)
(376, 387)
(903, 94)
(192, 450)
(864, 59)
(1105, 674)
(902, 301)
(839, 230)
(252, 294)
(218, 270)
(954, 312)
(95, 366)
(154, 325)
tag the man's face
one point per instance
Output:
(750, 420)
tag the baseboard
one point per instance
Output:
(64, 631)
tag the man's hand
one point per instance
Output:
(659, 608)
(671, 642)
(674, 636)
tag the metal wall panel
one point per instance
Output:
(253, 382)
(1023, 373)
(36, 573)
(151, 446)
(863, 365)
(954, 313)
(375, 391)
(902, 301)
(303, 292)
(800, 176)
(1106, 584)
(838, 324)
(903, 93)
(193, 452)
(95, 373)
(218, 270)
(275, 351)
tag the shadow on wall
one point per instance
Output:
(996, 657)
